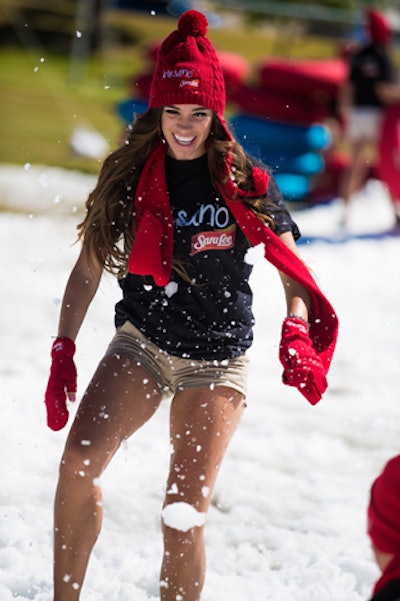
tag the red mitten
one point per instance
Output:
(62, 382)
(302, 366)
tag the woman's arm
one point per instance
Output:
(302, 367)
(388, 93)
(79, 292)
(297, 298)
(345, 99)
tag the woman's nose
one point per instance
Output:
(185, 122)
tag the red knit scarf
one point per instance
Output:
(151, 252)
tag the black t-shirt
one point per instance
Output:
(207, 314)
(371, 65)
(391, 592)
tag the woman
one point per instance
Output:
(369, 90)
(384, 530)
(173, 215)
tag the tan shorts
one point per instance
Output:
(364, 124)
(173, 373)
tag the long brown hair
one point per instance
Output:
(107, 228)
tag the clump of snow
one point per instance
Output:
(255, 254)
(182, 516)
(89, 143)
(171, 288)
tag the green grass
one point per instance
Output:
(40, 105)
(41, 109)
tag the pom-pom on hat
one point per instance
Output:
(188, 70)
(384, 509)
(378, 27)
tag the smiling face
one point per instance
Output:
(186, 128)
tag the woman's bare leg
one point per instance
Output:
(121, 397)
(356, 174)
(202, 424)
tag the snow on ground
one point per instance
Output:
(288, 513)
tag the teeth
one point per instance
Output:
(183, 140)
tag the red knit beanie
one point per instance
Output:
(378, 27)
(384, 509)
(188, 70)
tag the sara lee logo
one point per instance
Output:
(192, 83)
(219, 240)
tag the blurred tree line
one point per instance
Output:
(46, 22)
(54, 23)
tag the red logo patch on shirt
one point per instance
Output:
(216, 240)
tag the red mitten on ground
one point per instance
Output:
(302, 366)
(62, 382)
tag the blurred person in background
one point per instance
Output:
(369, 89)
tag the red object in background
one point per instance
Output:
(235, 67)
(278, 105)
(308, 77)
(300, 91)
(139, 85)
(388, 168)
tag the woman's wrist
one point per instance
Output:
(295, 316)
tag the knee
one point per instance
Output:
(77, 464)
(182, 526)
